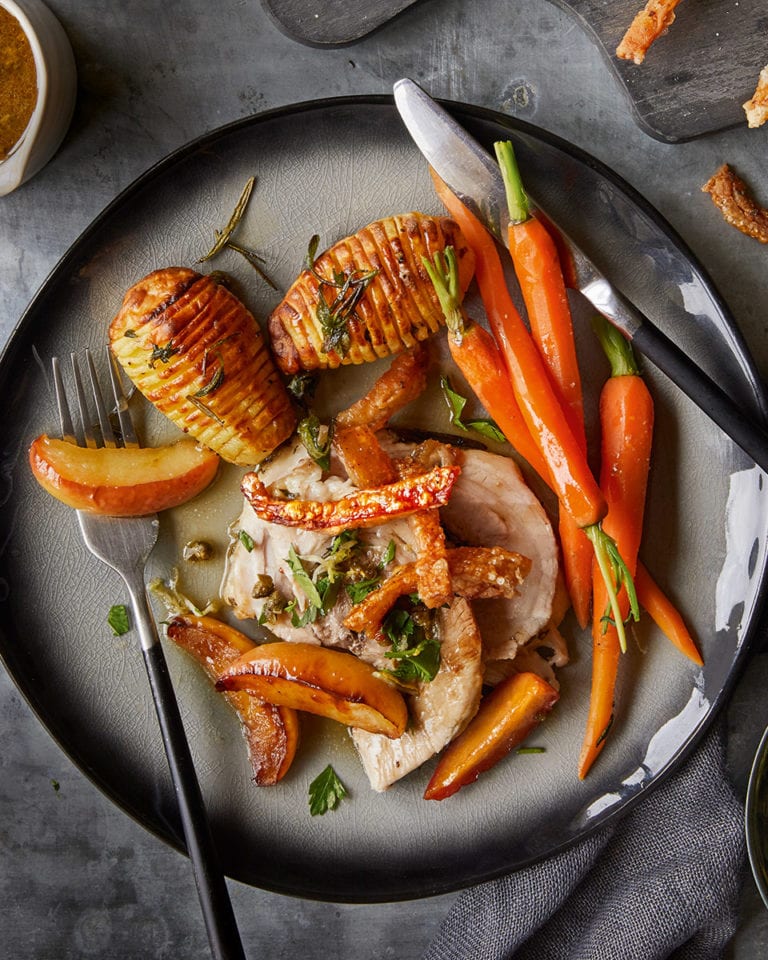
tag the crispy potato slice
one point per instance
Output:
(506, 716)
(385, 304)
(319, 680)
(196, 352)
(271, 732)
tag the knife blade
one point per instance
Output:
(474, 176)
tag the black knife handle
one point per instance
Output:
(725, 412)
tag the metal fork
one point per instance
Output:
(124, 544)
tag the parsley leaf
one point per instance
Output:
(488, 429)
(456, 403)
(358, 590)
(303, 579)
(389, 554)
(118, 619)
(325, 792)
(415, 644)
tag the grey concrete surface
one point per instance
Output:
(78, 878)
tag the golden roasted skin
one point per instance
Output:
(199, 356)
(739, 208)
(756, 108)
(477, 573)
(646, 28)
(363, 508)
(404, 381)
(390, 311)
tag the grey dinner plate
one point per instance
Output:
(330, 167)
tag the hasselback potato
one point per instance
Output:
(194, 350)
(367, 296)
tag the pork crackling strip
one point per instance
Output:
(739, 208)
(648, 25)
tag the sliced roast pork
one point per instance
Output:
(441, 708)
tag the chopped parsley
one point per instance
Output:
(325, 792)
(302, 386)
(118, 619)
(415, 641)
(358, 590)
(319, 578)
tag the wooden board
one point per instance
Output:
(693, 81)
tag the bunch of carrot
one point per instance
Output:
(530, 383)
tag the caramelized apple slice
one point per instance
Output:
(505, 718)
(271, 732)
(122, 481)
(319, 680)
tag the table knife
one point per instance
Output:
(474, 176)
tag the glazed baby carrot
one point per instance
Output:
(477, 356)
(539, 272)
(665, 615)
(626, 420)
(606, 653)
(572, 480)
(569, 474)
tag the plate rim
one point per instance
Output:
(757, 390)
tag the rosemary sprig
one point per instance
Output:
(254, 260)
(223, 238)
(162, 354)
(334, 316)
(218, 376)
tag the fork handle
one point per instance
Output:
(219, 917)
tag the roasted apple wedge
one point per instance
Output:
(505, 718)
(271, 732)
(319, 680)
(122, 481)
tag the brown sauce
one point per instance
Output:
(18, 82)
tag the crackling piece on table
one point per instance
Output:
(739, 208)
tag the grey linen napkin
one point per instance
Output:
(661, 883)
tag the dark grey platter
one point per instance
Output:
(692, 82)
(705, 540)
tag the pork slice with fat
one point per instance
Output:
(492, 505)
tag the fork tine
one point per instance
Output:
(89, 438)
(65, 417)
(107, 433)
(121, 404)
